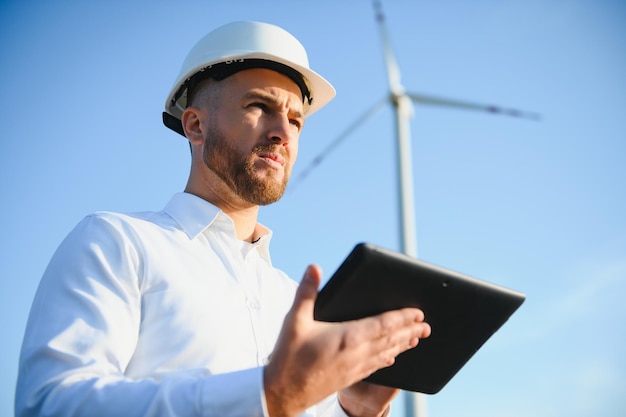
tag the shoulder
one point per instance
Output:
(131, 225)
(114, 233)
(119, 219)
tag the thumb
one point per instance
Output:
(306, 293)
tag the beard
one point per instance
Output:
(237, 169)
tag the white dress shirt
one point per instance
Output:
(155, 314)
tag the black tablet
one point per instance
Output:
(463, 311)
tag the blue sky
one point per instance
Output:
(535, 206)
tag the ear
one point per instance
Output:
(191, 120)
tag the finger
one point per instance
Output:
(413, 326)
(426, 331)
(395, 332)
(391, 321)
(390, 327)
(306, 293)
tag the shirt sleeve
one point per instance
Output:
(81, 334)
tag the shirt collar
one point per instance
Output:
(194, 215)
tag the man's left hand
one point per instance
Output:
(365, 399)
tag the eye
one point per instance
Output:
(261, 106)
(297, 123)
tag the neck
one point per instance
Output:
(243, 214)
(245, 221)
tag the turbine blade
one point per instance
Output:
(393, 70)
(335, 142)
(465, 105)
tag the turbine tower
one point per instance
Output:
(402, 102)
(415, 403)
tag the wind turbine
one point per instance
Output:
(402, 102)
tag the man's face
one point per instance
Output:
(252, 134)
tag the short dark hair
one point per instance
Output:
(224, 70)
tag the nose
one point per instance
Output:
(281, 130)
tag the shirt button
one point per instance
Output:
(253, 304)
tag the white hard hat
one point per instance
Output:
(241, 45)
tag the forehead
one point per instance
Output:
(269, 82)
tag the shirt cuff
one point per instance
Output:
(338, 411)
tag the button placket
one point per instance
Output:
(248, 279)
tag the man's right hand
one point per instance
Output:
(314, 359)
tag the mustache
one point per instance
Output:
(270, 148)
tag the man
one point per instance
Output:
(180, 312)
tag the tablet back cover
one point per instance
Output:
(463, 311)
